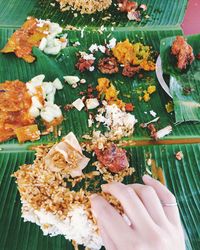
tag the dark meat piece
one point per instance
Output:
(152, 129)
(113, 158)
(127, 6)
(130, 71)
(83, 65)
(183, 52)
(108, 65)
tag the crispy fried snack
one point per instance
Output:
(183, 52)
(25, 38)
(14, 105)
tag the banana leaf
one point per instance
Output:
(13, 13)
(187, 104)
(158, 16)
(181, 176)
(63, 65)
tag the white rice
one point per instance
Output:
(76, 226)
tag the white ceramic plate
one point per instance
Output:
(159, 74)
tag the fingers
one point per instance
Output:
(151, 202)
(165, 196)
(132, 205)
(110, 222)
(107, 241)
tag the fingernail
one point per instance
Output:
(104, 186)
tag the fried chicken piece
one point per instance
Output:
(113, 158)
(183, 52)
(130, 71)
(108, 65)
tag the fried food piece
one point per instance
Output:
(135, 54)
(27, 133)
(183, 52)
(83, 64)
(130, 71)
(108, 65)
(106, 88)
(113, 158)
(25, 38)
(15, 103)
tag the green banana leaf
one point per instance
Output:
(187, 106)
(182, 180)
(13, 13)
(181, 176)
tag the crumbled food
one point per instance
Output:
(27, 133)
(132, 9)
(169, 107)
(147, 93)
(134, 54)
(85, 62)
(151, 89)
(113, 158)
(36, 33)
(179, 155)
(68, 107)
(146, 96)
(130, 71)
(183, 52)
(109, 92)
(119, 123)
(108, 65)
(84, 6)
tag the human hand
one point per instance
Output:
(153, 214)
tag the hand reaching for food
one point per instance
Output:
(152, 218)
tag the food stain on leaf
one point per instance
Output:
(157, 172)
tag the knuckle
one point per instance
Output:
(169, 197)
(147, 190)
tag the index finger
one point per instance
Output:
(111, 222)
